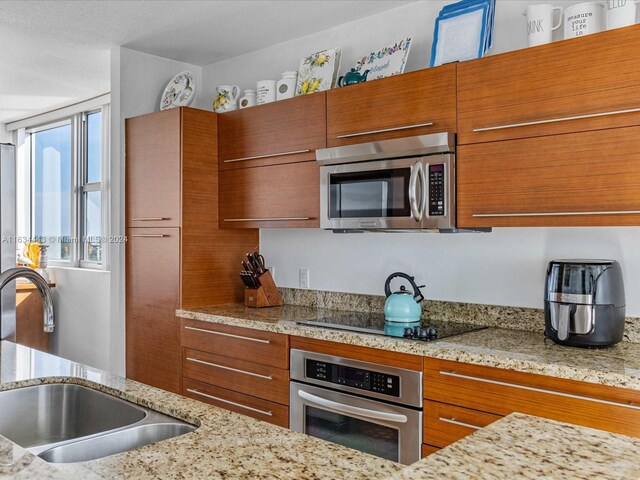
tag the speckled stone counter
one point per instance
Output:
(525, 447)
(503, 348)
(225, 445)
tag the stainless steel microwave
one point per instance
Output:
(399, 184)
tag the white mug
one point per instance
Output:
(540, 26)
(583, 19)
(620, 13)
(266, 91)
(248, 99)
(286, 88)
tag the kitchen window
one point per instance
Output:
(66, 172)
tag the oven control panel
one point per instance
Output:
(368, 380)
(436, 201)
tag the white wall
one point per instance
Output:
(505, 267)
(137, 82)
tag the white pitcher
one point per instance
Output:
(226, 98)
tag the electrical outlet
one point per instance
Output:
(303, 278)
(272, 270)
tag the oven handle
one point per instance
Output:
(416, 174)
(348, 409)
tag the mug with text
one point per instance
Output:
(620, 13)
(583, 19)
(540, 25)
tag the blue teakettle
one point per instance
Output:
(402, 306)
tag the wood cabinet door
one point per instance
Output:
(580, 179)
(153, 293)
(269, 197)
(401, 106)
(152, 166)
(570, 86)
(280, 132)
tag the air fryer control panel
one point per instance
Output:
(436, 190)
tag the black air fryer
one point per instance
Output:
(584, 303)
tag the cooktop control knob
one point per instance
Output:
(432, 333)
(423, 334)
(408, 333)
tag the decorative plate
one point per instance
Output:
(318, 72)
(179, 92)
(386, 62)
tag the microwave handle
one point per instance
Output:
(416, 175)
(349, 409)
(426, 190)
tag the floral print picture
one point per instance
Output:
(318, 71)
(386, 62)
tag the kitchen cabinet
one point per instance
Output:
(285, 195)
(287, 131)
(175, 254)
(486, 393)
(583, 84)
(240, 369)
(579, 179)
(415, 103)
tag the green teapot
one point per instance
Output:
(353, 77)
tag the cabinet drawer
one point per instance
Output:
(257, 380)
(580, 179)
(400, 106)
(445, 424)
(501, 392)
(428, 450)
(269, 197)
(237, 402)
(548, 89)
(280, 132)
(266, 348)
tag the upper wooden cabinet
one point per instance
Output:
(580, 179)
(280, 132)
(587, 83)
(404, 105)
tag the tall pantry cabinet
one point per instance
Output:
(176, 257)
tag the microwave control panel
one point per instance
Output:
(353, 377)
(437, 187)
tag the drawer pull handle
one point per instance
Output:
(240, 337)
(148, 235)
(272, 219)
(456, 422)
(384, 130)
(270, 155)
(231, 369)
(556, 214)
(229, 402)
(556, 120)
(149, 219)
(541, 390)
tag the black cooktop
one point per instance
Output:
(374, 323)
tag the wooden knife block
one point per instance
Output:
(266, 295)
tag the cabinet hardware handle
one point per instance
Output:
(556, 214)
(272, 219)
(540, 390)
(212, 332)
(149, 219)
(237, 370)
(270, 155)
(383, 130)
(555, 120)
(149, 235)
(239, 405)
(456, 422)
(350, 409)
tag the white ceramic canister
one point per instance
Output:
(583, 19)
(248, 99)
(286, 88)
(266, 91)
(540, 25)
(620, 13)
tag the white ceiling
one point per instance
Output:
(53, 53)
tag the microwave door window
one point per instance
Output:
(372, 194)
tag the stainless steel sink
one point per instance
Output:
(70, 423)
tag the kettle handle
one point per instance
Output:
(417, 294)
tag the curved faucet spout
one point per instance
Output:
(42, 287)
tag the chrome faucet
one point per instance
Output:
(42, 286)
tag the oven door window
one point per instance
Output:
(370, 194)
(368, 437)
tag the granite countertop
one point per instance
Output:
(518, 350)
(225, 445)
(525, 447)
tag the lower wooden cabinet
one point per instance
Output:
(445, 424)
(428, 450)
